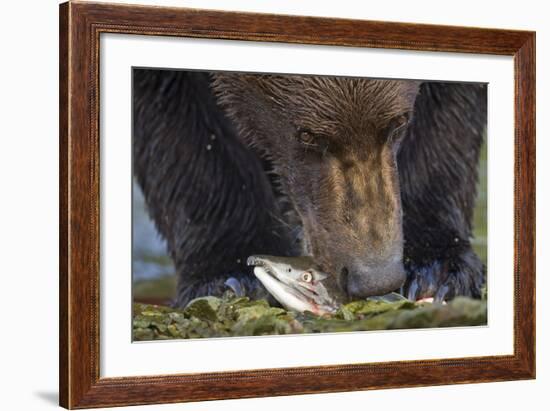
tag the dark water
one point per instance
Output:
(148, 248)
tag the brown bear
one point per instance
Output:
(375, 179)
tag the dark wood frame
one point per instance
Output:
(80, 27)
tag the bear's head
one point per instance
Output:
(333, 143)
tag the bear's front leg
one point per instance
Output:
(438, 173)
(452, 273)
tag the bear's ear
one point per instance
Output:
(227, 82)
(235, 90)
(231, 88)
(248, 103)
(234, 86)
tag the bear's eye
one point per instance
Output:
(306, 137)
(313, 143)
(399, 122)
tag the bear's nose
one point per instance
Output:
(366, 280)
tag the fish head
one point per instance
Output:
(297, 283)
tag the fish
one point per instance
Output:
(298, 284)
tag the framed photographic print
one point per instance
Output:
(257, 205)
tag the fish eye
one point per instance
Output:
(289, 269)
(307, 277)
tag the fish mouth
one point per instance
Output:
(257, 260)
(286, 290)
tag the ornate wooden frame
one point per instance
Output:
(80, 28)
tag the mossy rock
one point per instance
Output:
(204, 308)
(210, 317)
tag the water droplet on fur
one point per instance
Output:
(209, 147)
(212, 136)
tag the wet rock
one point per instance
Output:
(210, 317)
(204, 308)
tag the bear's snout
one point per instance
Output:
(370, 279)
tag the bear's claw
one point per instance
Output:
(446, 278)
(236, 286)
